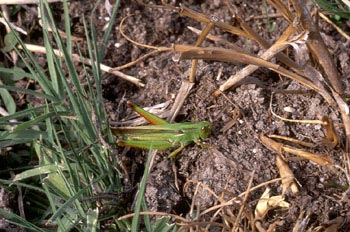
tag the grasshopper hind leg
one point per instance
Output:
(175, 152)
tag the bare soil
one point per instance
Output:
(227, 172)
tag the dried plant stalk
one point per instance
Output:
(77, 58)
(331, 140)
(296, 141)
(321, 160)
(13, 2)
(225, 55)
(279, 46)
(286, 173)
(317, 46)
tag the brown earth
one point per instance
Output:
(227, 170)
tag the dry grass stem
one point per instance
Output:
(238, 218)
(321, 160)
(286, 173)
(184, 11)
(317, 46)
(281, 7)
(292, 140)
(260, 40)
(217, 39)
(279, 46)
(331, 140)
(14, 2)
(16, 28)
(232, 56)
(77, 58)
(184, 91)
(237, 199)
(135, 61)
(160, 214)
(199, 41)
(305, 121)
(121, 31)
(346, 36)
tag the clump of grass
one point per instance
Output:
(338, 9)
(71, 162)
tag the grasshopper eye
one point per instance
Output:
(205, 131)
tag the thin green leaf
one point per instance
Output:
(110, 27)
(58, 185)
(10, 42)
(141, 192)
(42, 170)
(34, 122)
(146, 218)
(27, 112)
(92, 220)
(19, 221)
(29, 91)
(9, 103)
(28, 186)
(162, 225)
(19, 137)
(15, 73)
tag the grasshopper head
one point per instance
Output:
(205, 130)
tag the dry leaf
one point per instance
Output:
(286, 173)
(331, 140)
(321, 160)
(266, 203)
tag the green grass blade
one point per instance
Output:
(29, 91)
(92, 220)
(38, 119)
(67, 26)
(9, 103)
(146, 218)
(27, 112)
(162, 225)
(19, 137)
(28, 186)
(19, 221)
(141, 192)
(42, 170)
(16, 73)
(56, 183)
(109, 29)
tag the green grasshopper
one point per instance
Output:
(161, 135)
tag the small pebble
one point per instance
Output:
(289, 109)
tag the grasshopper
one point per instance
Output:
(161, 135)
